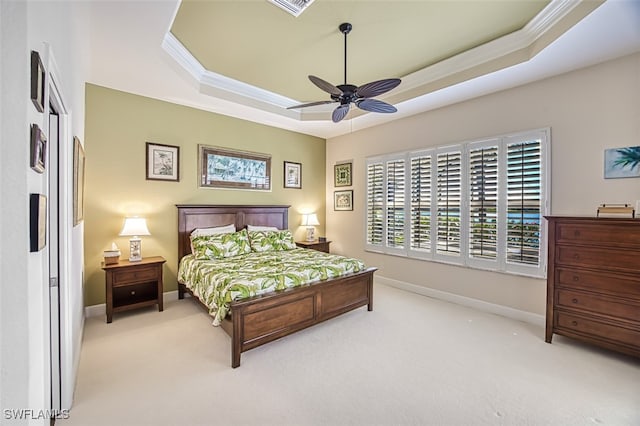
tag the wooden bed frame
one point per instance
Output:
(258, 320)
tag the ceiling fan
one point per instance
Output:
(347, 94)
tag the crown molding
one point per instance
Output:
(506, 51)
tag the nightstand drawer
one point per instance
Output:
(129, 275)
(136, 293)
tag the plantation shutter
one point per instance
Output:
(395, 203)
(483, 202)
(375, 203)
(420, 229)
(524, 202)
(449, 187)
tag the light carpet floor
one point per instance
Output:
(412, 361)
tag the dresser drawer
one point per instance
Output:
(600, 282)
(590, 327)
(594, 233)
(129, 275)
(598, 304)
(619, 259)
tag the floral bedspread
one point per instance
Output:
(219, 282)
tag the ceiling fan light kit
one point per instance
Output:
(346, 94)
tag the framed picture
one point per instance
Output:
(292, 175)
(38, 148)
(342, 174)
(37, 222)
(343, 200)
(622, 162)
(78, 181)
(37, 81)
(231, 169)
(163, 162)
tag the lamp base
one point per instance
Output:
(135, 250)
(311, 234)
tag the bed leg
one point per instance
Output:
(236, 343)
(180, 291)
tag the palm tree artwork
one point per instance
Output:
(622, 162)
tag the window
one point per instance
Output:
(478, 204)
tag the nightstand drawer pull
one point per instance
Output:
(576, 256)
(576, 278)
(574, 300)
(133, 293)
(574, 323)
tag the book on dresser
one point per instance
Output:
(593, 281)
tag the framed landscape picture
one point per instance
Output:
(227, 168)
(343, 200)
(163, 162)
(342, 174)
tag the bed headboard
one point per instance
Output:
(192, 216)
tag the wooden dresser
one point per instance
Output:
(593, 281)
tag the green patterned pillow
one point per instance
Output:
(262, 241)
(219, 246)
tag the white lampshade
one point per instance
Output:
(134, 226)
(310, 219)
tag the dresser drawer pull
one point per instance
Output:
(574, 300)
(574, 323)
(576, 256)
(576, 233)
(133, 293)
(576, 278)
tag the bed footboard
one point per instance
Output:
(262, 319)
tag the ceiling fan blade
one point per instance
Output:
(376, 88)
(375, 105)
(311, 104)
(327, 87)
(340, 112)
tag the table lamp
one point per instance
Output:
(134, 227)
(310, 220)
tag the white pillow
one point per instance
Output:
(200, 232)
(261, 228)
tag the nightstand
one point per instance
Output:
(315, 245)
(131, 285)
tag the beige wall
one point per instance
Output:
(588, 111)
(119, 124)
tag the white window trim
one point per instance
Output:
(500, 264)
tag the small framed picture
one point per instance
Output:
(38, 148)
(622, 162)
(37, 222)
(292, 175)
(342, 174)
(343, 200)
(37, 81)
(163, 162)
(78, 181)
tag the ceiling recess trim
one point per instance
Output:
(294, 7)
(444, 73)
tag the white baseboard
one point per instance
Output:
(101, 309)
(493, 308)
